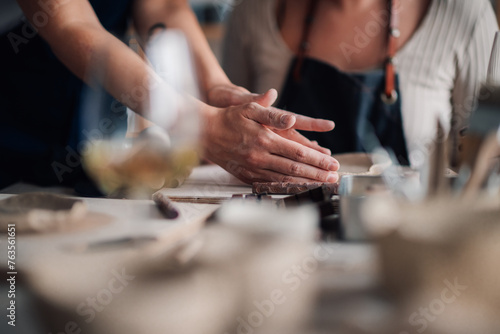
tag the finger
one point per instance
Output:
(301, 139)
(225, 96)
(294, 135)
(264, 175)
(311, 124)
(321, 148)
(300, 153)
(296, 169)
(267, 99)
(271, 117)
(243, 97)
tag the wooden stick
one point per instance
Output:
(199, 200)
(165, 205)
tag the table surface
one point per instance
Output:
(351, 266)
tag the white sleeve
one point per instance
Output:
(473, 66)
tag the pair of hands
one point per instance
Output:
(259, 143)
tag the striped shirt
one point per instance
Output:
(441, 67)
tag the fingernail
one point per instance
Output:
(285, 119)
(332, 178)
(333, 166)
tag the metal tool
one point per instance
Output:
(353, 192)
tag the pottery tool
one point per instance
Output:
(436, 181)
(217, 199)
(199, 199)
(146, 245)
(165, 205)
(109, 244)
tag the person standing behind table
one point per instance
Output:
(44, 63)
(346, 61)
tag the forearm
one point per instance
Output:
(124, 74)
(177, 14)
(98, 57)
(80, 42)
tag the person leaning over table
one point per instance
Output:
(390, 68)
(43, 75)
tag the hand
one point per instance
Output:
(242, 139)
(231, 95)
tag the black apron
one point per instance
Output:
(366, 107)
(40, 101)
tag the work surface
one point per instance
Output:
(348, 268)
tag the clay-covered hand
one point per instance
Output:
(229, 95)
(244, 140)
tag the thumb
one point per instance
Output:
(267, 99)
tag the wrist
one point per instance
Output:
(213, 80)
(208, 115)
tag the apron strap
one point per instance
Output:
(390, 96)
(281, 11)
(304, 40)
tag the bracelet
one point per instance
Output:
(155, 26)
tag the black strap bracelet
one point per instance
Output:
(155, 26)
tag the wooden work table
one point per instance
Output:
(350, 268)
